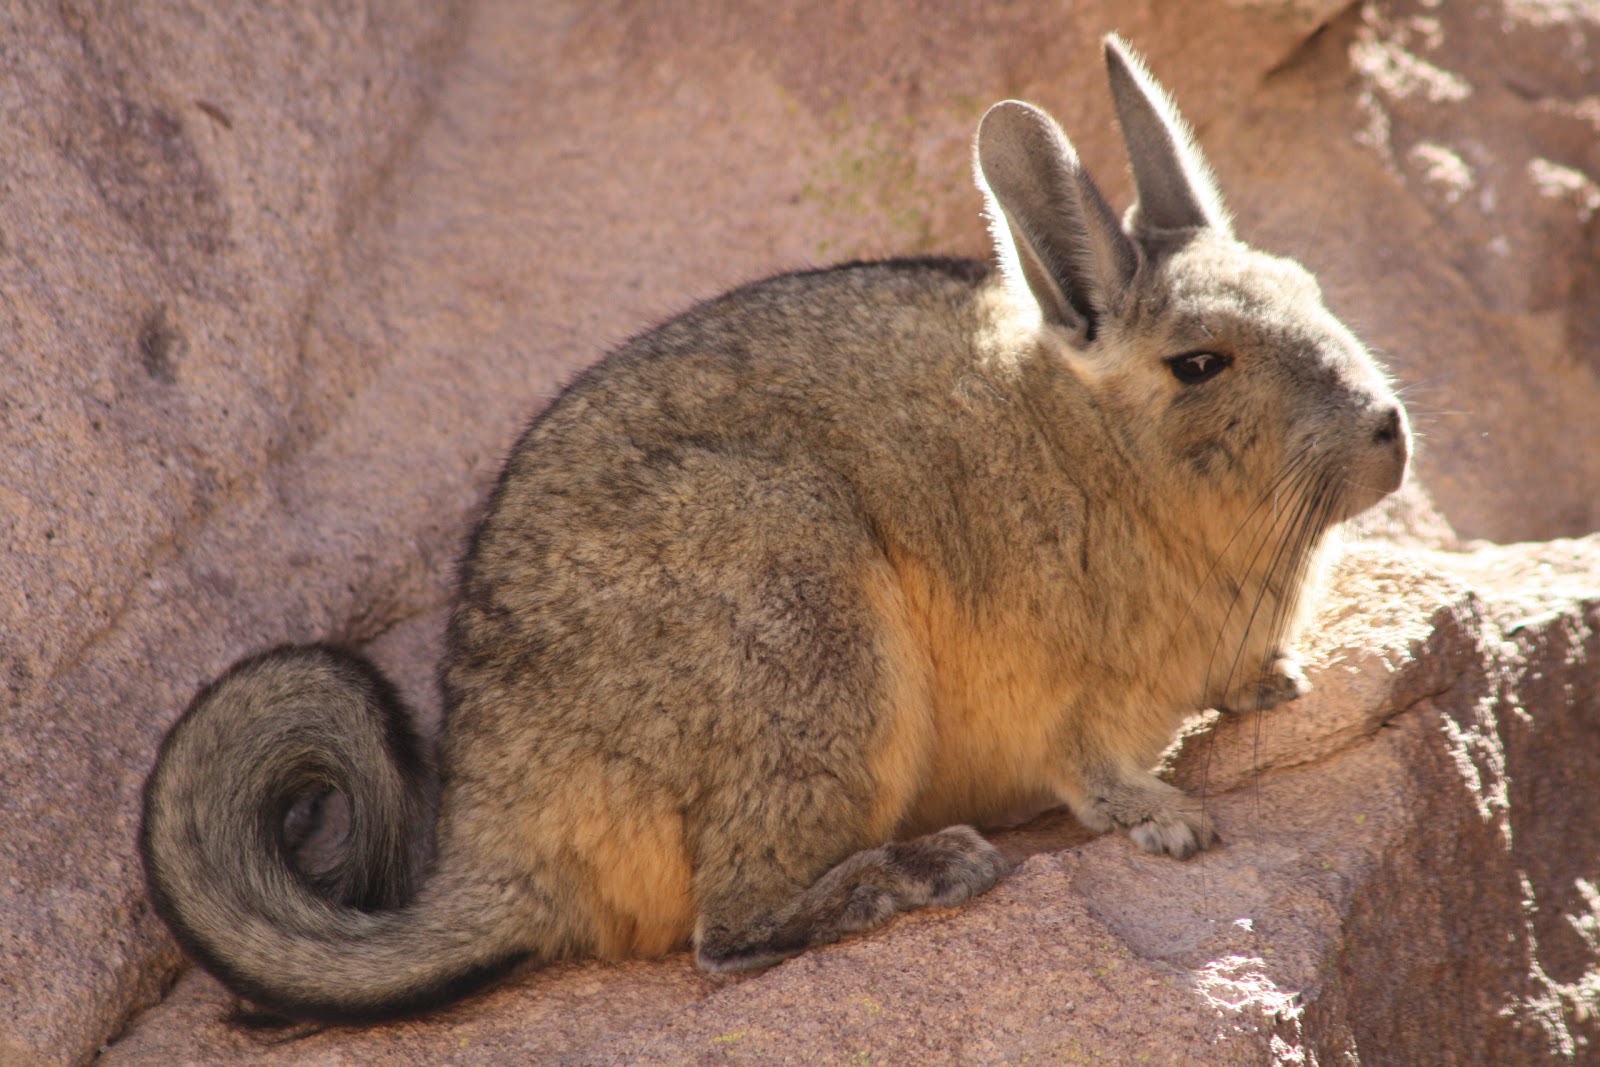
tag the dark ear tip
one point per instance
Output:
(1117, 51)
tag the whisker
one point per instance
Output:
(1299, 473)
(1292, 469)
(1287, 546)
(1300, 504)
(1259, 545)
(1324, 498)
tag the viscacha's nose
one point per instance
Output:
(1389, 428)
(1393, 434)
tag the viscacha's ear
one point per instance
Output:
(1174, 184)
(1055, 235)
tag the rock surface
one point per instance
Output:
(1421, 820)
(278, 289)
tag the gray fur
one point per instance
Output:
(827, 563)
(1051, 224)
(1173, 184)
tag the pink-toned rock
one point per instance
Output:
(281, 287)
(180, 188)
(1434, 164)
(1418, 822)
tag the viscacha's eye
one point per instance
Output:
(1195, 367)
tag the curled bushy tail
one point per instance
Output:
(361, 940)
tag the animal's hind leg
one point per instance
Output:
(791, 846)
(753, 929)
(814, 732)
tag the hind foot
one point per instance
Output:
(863, 891)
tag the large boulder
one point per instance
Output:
(1409, 876)
(282, 286)
(183, 188)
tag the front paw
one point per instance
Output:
(1156, 816)
(1179, 834)
(1282, 681)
